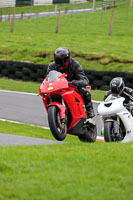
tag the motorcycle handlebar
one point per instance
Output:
(128, 105)
(70, 84)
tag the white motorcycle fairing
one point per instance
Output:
(116, 107)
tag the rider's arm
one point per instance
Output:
(107, 94)
(128, 92)
(51, 67)
(80, 78)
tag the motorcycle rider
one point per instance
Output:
(117, 86)
(64, 63)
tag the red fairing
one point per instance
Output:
(58, 84)
(54, 87)
(75, 103)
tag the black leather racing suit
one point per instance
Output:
(75, 73)
(127, 93)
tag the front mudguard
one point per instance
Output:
(62, 109)
(115, 125)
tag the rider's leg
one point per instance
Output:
(90, 110)
(88, 104)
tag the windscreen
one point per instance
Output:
(112, 97)
(53, 75)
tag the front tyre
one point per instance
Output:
(109, 133)
(108, 130)
(57, 126)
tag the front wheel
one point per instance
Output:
(108, 130)
(110, 135)
(89, 134)
(57, 126)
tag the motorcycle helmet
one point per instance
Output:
(62, 57)
(117, 85)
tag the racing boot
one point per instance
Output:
(90, 111)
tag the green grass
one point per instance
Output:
(32, 87)
(30, 131)
(20, 86)
(94, 49)
(73, 170)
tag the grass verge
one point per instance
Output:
(73, 170)
(32, 87)
(35, 40)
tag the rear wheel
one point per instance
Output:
(90, 134)
(57, 126)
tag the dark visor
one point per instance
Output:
(59, 61)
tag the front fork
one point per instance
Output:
(61, 107)
(116, 125)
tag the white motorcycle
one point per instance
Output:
(117, 118)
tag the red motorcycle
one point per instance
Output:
(66, 109)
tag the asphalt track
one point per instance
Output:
(13, 140)
(29, 109)
(22, 107)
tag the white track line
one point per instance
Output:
(15, 92)
(17, 122)
(33, 94)
(99, 138)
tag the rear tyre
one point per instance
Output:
(57, 126)
(90, 134)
